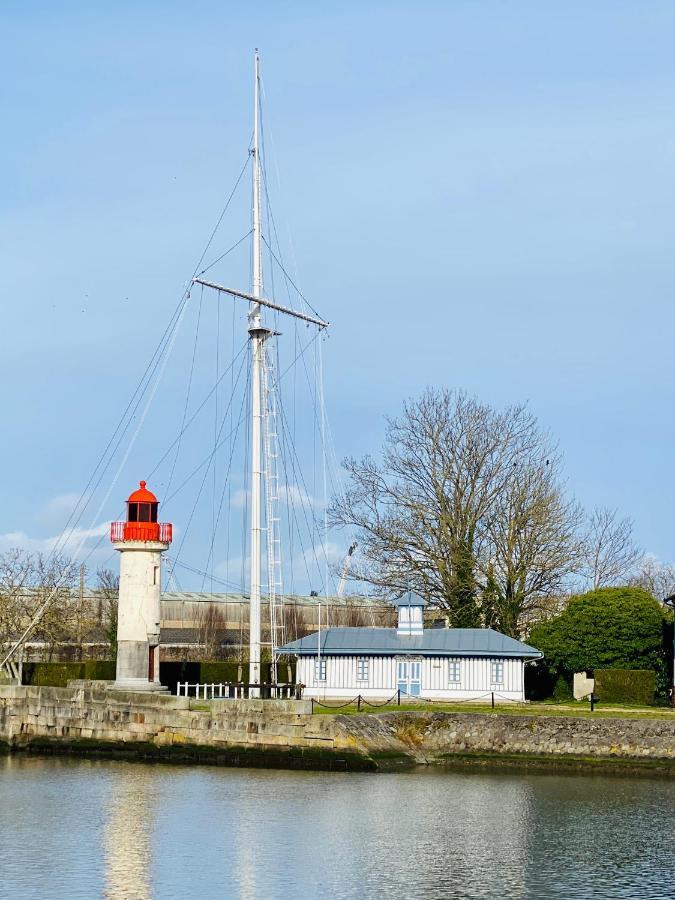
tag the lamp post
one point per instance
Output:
(670, 601)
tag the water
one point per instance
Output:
(86, 829)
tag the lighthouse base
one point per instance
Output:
(138, 666)
(138, 684)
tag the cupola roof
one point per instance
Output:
(410, 599)
(142, 495)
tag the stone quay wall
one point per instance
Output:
(90, 719)
(433, 737)
(86, 719)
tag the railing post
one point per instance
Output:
(358, 703)
(493, 699)
(398, 697)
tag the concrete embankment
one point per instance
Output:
(91, 720)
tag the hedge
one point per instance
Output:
(217, 672)
(58, 674)
(625, 685)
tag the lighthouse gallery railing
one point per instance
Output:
(141, 531)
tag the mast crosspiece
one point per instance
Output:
(262, 301)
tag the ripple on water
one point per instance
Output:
(82, 829)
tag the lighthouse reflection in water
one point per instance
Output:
(128, 834)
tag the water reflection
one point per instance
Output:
(128, 834)
(74, 829)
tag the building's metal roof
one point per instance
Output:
(432, 642)
(301, 599)
(195, 637)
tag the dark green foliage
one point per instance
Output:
(609, 628)
(563, 689)
(217, 672)
(99, 669)
(226, 672)
(170, 673)
(625, 686)
(539, 681)
(58, 674)
(464, 610)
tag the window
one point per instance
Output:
(362, 666)
(320, 669)
(497, 672)
(155, 574)
(454, 671)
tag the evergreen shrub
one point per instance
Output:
(58, 674)
(625, 686)
(562, 690)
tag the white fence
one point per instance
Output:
(238, 691)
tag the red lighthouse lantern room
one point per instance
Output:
(141, 523)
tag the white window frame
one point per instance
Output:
(363, 668)
(497, 671)
(454, 665)
(320, 669)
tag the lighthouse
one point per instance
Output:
(140, 540)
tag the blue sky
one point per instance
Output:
(478, 195)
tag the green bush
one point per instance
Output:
(217, 672)
(227, 672)
(625, 686)
(608, 628)
(58, 674)
(562, 690)
(100, 669)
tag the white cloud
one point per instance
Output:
(293, 495)
(78, 543)
(55, 512)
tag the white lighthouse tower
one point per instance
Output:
(141, 540)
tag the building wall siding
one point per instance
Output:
(475, 677)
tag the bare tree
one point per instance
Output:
(533, 546)
(610, 553)
(211, 630)
(16, 578)
(108, 590)
(27, 580)
(656, 577)
(55, 577)
(426, 517)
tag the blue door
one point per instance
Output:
(409, 680)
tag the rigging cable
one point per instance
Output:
(210, 459)
(75, 517)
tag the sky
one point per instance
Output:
(477, 195)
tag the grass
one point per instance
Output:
(545, 708)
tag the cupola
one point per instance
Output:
(141, 523)
(142, 505)
(410, 614)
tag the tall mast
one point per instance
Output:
(258, 335)
(257, 285)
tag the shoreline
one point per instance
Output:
(336, 761)
(90, 720)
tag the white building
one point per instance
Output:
(430, 663)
